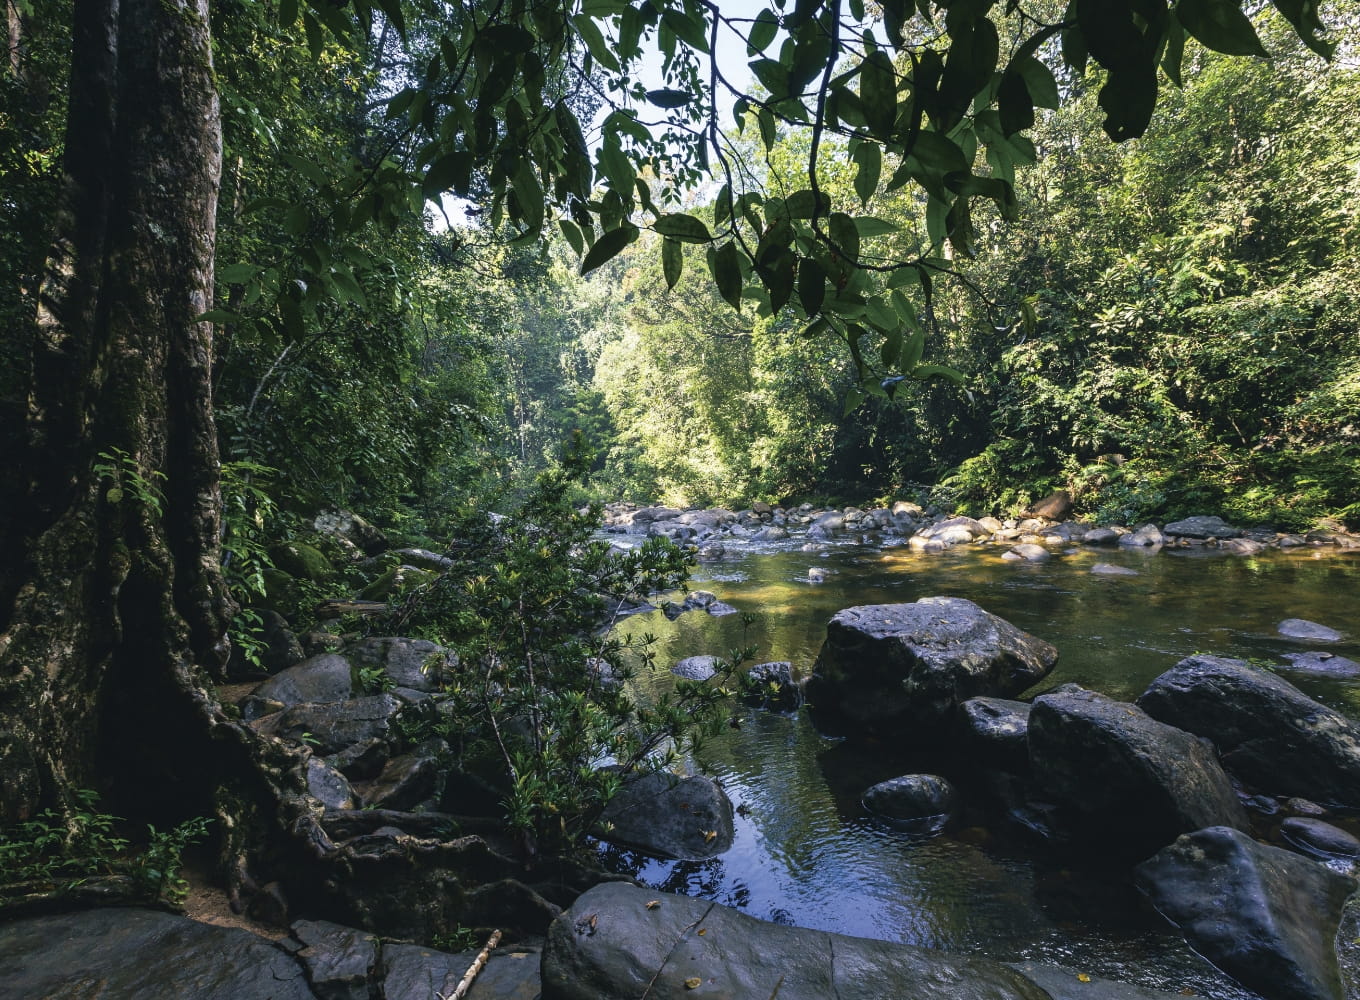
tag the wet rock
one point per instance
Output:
(953, 531)
(338, 958)
(1301, 628)
(696, 668)
(1202, 526)
(903, 669)
(1304, 807)
(620, 942)
(405, 782)
(1146, 536)
(1028, 552)
(1123, 779)
(126, 953)
(1263, 915)
(1070, 984)
(328, 786)
(1242, 546)
(1321, 664)
(1110, 569)
(997, 730)
(323, 678)
(772, 686)
(1054, 507)
(410, 972)
(1268, 731)
(353, 529)
(662, 814)
(417, 664)
(334, 726)
(1319, 839)
(912, 796)
(1101, 536)
(774, 533)
(720, 608)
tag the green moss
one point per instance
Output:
(395, 581)
(302, 561)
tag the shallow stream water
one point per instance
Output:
(807, 853)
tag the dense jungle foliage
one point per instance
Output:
(447, 242)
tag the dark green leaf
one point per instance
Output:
(666, 98)
(608, 246)
(288, 12)
(1303, 15)
(803, 205)
(924, 372)
(1220, 25)
(689, 28)
(762, 33)
(1175, 52)
(685, 228)
(841, 229)
(590, 33)
(869, 158)
(672, 262)
(811, 285)
(1014, 104)
(878, 94)
(867, 226)
(1043, 89)
(768, 135)
(573, 234)
(725, 265)
(237, 274)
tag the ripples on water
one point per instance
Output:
(806, 852)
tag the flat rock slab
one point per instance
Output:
(1201, 526)
(1265, 916)
(135, 954)
(903, 669)
(1068, 984)
(1267, 731)
(620, 942)
(414, 973)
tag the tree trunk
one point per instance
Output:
(117, 613)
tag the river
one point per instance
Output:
(807, 853)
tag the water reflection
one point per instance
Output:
(807, 853)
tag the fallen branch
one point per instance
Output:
(465, 983)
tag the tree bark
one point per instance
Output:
(118, 607)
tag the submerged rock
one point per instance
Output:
(772, 685)
(696, 668)
(1263, 915)
(998, 731)
(1267, 730)
(1301, 628)
(621, 942)
(1321, 664)
(911, 797)
(1320, 840)
(903, 669)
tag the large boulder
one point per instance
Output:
(335, 726)
(1202, 526)
(621, 942)
(318, 679)
(903, 669)
(1268, 731)
(1266, 917)
(413, 664)
(1124, 781)
(911, 797)
(997, 731)
(689, 818)
(121, 953)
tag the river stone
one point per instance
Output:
(1319, 839)
(903, 669)
(696, 668)
(334, 726)
(1147, 535)
(1120, 776)
(687, 818)
(953, 531)
(998, 730)
(1242, 546)
(130, 954)
(328, 786)
(414, 973)
(1101, 536)
(1301, 628)
(1321, 664)
(912, 796)
(411, 663)
(621, 942)
(405, 782)
(319, 679)
(771, 685)
(1202, 526)
(1268, 731)
(338, 958)
(1029, 552)
(1263, 915)
(1054, 507)
(1110, 569)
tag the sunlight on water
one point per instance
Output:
(808, 854)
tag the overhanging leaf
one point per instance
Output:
(672, 262)
(608, 246)
(685, 228)
(1220, 25)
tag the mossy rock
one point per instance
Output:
(281, 592)
(302, 561)
(396, 580)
